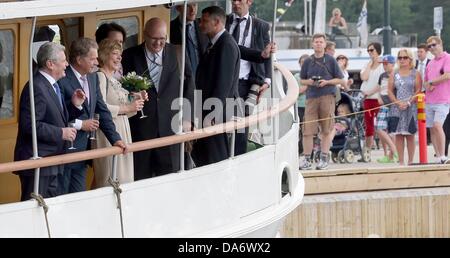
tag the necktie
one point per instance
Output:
(208, 48)
(191, 47)
(237, 29)
(85, 87)
(154, 71)
(58, 93)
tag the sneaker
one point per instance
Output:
(306, 164)
(323, 163)
(395, 157)
(385, 159)
(444, 160)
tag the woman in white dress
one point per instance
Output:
(120, 106)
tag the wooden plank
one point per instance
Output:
(384, 181)
(374, 170)
(393, 213)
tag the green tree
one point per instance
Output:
(407, 16)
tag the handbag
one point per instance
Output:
(392, 122)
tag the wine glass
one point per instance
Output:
(96, 117)
(142, 95)
(72, 125)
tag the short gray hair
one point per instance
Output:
(48, 51)
(80, 48)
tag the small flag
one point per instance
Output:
(281, 11)
(362, 26)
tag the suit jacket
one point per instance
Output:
(217, 77)
(176, 34)
(50, 119)
(96, 104)
(158, 108)
(259, 40)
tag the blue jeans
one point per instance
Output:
(73, 179)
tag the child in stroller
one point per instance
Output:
(349, 132)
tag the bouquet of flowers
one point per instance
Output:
(137, 86)
(135, 83)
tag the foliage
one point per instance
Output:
(407, 16)
(135, 83)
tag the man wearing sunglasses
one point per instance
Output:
(437, 85)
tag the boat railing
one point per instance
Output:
(231, 126)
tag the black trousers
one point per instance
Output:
(446, 128)
(47, 186)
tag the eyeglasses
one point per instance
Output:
(403, 57)
(370, 50)
(431, 46)
(158, 39)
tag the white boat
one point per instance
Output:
(244, 196)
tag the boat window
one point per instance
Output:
(7, 93)
(131, 26)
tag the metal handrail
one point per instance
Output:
(288, 101)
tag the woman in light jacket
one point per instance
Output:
(119, 104)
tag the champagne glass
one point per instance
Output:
(142, 95)
(96, 117)
(72, 125)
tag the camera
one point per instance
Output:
(316, 80)
(250, 102)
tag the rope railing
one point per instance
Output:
(283, 105)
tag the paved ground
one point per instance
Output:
(376, 154)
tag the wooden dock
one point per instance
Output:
(411, 201)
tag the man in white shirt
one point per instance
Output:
(422, 61)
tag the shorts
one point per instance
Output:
(436, 113)
(382, 119)
(370, 116)
(322, 107)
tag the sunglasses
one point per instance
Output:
(403, 57)
(370, 50)
(431, 46)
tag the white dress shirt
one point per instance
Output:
(245, 67)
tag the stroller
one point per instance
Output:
(350, 142)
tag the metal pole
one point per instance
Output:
(228, 7)
(114, 168)
(32, 109)
(233, 143)
(310, 17)
(305, 16)
(180, 99)
(387, 30)
(438, 33)
(272, 90)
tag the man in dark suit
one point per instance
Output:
(196, 42)
(422, 60)
(83, 59)
(253, 33)
(217, 77)
(157, 60)
(52, 117)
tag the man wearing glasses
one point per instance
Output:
(437, 85)
(157, 60)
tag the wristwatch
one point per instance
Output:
(431, 83)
